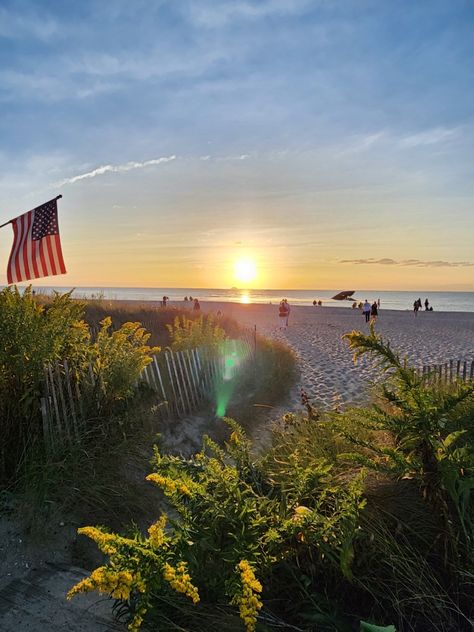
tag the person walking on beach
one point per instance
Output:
(373, 312)
(427, 305)
(366, 310)
(283, 314)
(416, 307)
(196, 306)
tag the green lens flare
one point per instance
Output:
(231, 353)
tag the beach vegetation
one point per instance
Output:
(33, 335)
(193, 333)
(352, 517)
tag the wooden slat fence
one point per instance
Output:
(448, 371)
(182, 380)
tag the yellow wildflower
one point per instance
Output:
(105, 541)
(248, 601)
(157, 533)
(301, 512)
(180, 580)
(167, 484)
(234, 438)
(107, 581)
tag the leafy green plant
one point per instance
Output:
(236, 528)
(188, 333)
(30, 336)
(118, 358)
(424, 420)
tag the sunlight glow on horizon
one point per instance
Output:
(245, 270)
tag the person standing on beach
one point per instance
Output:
(373, 312)
(366, 309)
(427, 305)
(283, 314)
(196, 306)
(416, 307)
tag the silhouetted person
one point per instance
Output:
(196, 306)
(366, 309)
(416, 307)
(427, 305)
(283, 313)
(373, 312)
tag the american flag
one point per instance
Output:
(36, 250)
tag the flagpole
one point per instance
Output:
(53, 200)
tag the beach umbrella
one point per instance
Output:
(344, 295)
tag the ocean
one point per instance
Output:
(440, 301)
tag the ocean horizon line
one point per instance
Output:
(235, 288)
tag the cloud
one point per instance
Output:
(224, 158)
(210, 14)
(27, 25)
(129, 166)
(411, 262)
(429, 137)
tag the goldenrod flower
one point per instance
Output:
(157, 533)
(168, 485)
(106, 542)
(301, 512)
(105, 580)
(180, 580)
(248, 601)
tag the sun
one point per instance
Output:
(245, 270)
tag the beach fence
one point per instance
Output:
(448, 371)
(183, 382)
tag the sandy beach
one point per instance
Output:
(327, 372)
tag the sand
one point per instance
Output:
(327, 372)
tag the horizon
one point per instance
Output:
(236, 289)
(272, 143)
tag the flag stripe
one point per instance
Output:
(59, 251)
(28, 251)
(50, 255)
(36, 250)
(41, 258)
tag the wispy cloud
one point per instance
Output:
(411, 262)
(429, 137)
(23, 24)
(128, 166)
(211, 14)
(225, 158)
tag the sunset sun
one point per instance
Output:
(245, 270)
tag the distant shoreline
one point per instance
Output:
(223, 306)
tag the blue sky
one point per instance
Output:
(332, 142)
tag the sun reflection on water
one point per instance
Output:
(245, 298)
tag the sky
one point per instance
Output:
(330, 142)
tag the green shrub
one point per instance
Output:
(34, 334)
(238, 530)
(30, 336)
(429, 424)
(118, 359)
(188, 333)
